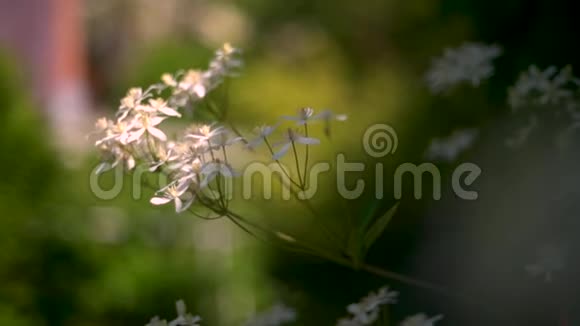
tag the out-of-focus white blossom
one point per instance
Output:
(421, 320)
(278, 314)
(448, 149)
(204, 133)
(304, 114)
(470, 63)
(537, 87)
(366, 312)
(263, 133)
(183, 318)
(550, 259)
(292, 138)
(327, 116)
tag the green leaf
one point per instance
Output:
(354, 246)
(378, 227)
(369, 215)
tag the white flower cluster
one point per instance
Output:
(183, 318)
(535, 87)
(197, 159)
(470, 63)
(366, 312)
(278, 314)
(449, 148)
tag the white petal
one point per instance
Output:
(105, 166)
(199, 90)
(307, 140)
(136, 135)
(255, 142)
(182, 186)
(170, 112)
(159, 200)
(156, 120)
(157, 133)
(130, 163)
(178, 205)
(281, 152)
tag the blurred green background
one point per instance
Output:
(69, 258)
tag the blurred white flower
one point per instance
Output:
(263, 133)
(448, 149)
(304, 114)
(155, 321)
(292, 137)
(367, 310)
(550, 259)
(421, 320)
(160, 106)
(113, 132)
(548, 87)
(193, 83)
(204, 133)
(183, 318)
(278, 314)
(470, 63)
(129, 102)
(327, 116)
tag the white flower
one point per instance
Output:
(212, 169)
(191, 171)
(165, 154)
(204, 133)
(130, 102)
(304, 114)
(448, 149)
(184, 318)
(224, 64)
(547, 87)
(327, 116)
(175, 193)
(279, 314)
(115, 154)
(168, 80)
(114, 132)
(421, 320)
(147, 123)
(550, 259)
(367, 310)
(224, 139)
(160, 106)
(469, 63)
(263, 133)
(155, 321)
(292, 138)
(193, 83)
